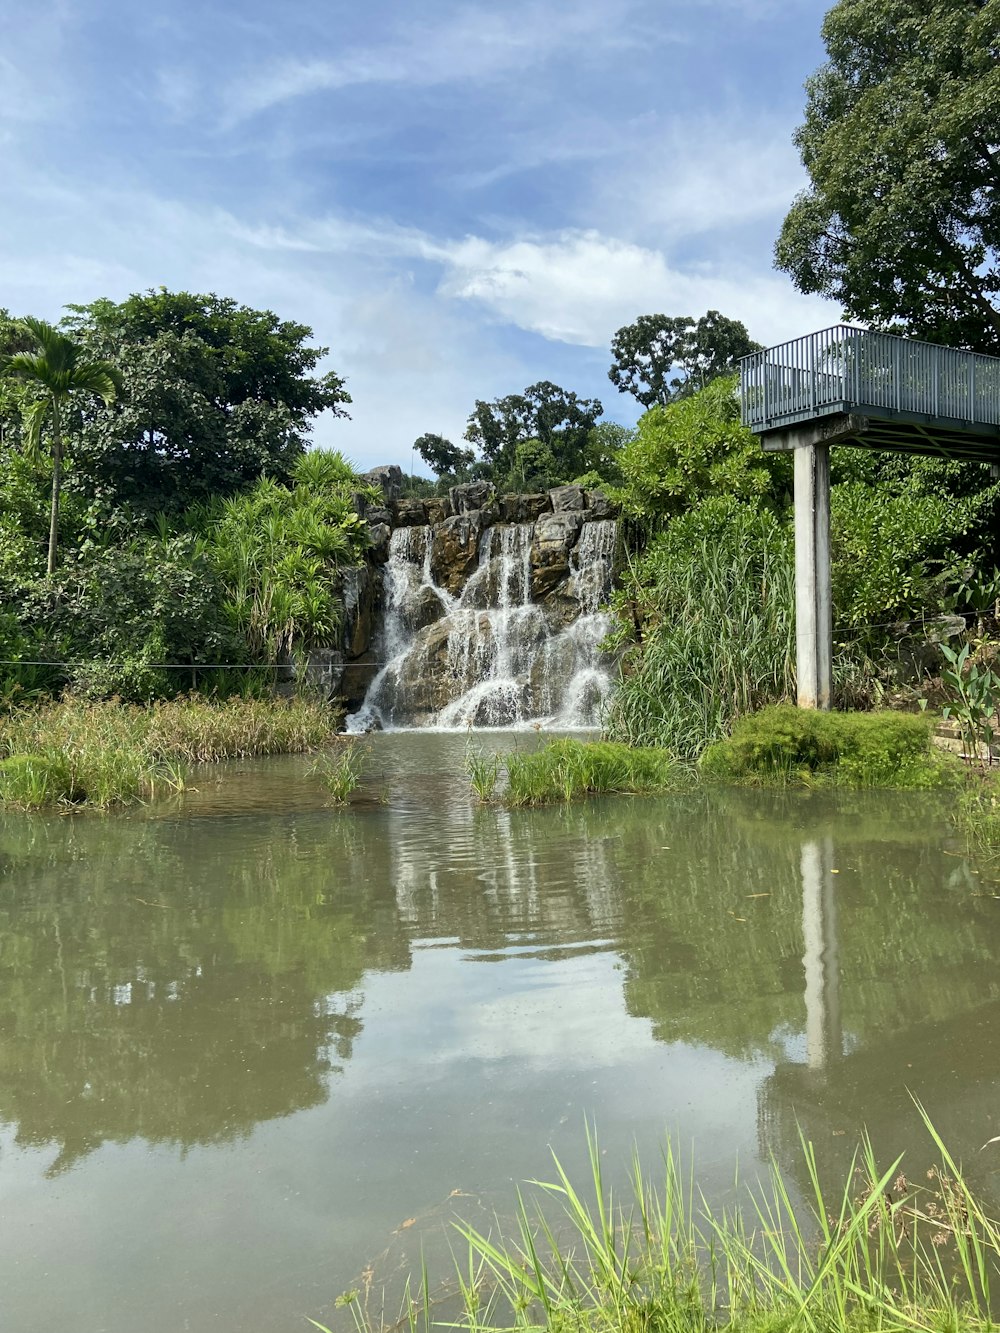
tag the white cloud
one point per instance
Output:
(578, 287)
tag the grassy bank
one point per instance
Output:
(784, 745)
(103, 754)
(885, 1253)
(565, 769)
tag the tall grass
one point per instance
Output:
(565, 769)
(883, 1254)
(709, 610)
(103, 754)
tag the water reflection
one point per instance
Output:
(359, 1012)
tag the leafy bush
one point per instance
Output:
(693, 449)
(786, 744)
(280, 549)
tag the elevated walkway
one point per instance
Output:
(872, 390)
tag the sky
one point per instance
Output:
(460, 199)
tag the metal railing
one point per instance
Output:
(846, 369)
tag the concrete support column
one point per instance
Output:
(820, 959)
(813, 615)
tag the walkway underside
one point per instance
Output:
(897, 432)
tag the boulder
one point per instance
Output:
(324, 670)
(567, 499)
(455, 550)
(379, 535)
(554, 538)
(599, 507)
(524, 508)
(360, 586)
(438, 509)
(388, 479)
(471, 495)
(409, 513)
(488, 515)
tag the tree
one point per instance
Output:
(660, 358)
(442, 457)
(62, 373)
(215, 394)
(694, 449)
(901, 221)
(558, 419)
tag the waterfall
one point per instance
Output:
(516, 643)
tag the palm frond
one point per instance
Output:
(34, 418)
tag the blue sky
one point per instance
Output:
(459, 198)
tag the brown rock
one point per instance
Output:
(409, 513)
(360, 586)
(438, 509)
(455, 550)
(554, 538)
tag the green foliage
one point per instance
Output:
(59, 372)
(444, 458)
(975, 705)
(695, 448)
(785, 744)
(565, 769)
(661, 358)
(900, 223)
(558, 420)
(118, 612)
(889, 549)
(709, 612)
(279, 550)
(214, 394)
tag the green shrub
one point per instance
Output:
(788, 744)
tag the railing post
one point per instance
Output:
(972, 387)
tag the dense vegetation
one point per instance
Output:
(164, 439)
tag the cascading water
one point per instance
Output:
(500, 651)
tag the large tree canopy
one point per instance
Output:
(661, 358)
(214, 394)
(557, 419)
(442, 457)
(901, 222)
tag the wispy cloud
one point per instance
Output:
(468, 44)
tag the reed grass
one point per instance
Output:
(785, 745)
(101, 754)
(883, 1254)
(341, 770)
(565, 769)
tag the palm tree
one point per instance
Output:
(60, 371)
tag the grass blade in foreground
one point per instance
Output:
(882, 1255)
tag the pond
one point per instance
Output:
(256, 1050)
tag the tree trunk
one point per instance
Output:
(56, 486)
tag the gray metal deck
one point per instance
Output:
(906, 395)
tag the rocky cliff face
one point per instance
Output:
(471, 590)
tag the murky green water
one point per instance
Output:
(251, 1045)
